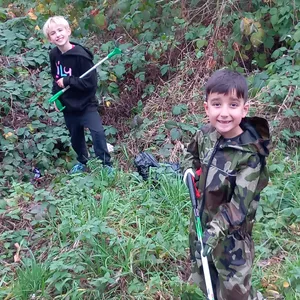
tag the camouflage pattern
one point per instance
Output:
(233, 175)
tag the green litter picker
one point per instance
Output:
(55, 97)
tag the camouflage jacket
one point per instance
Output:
(233, 174)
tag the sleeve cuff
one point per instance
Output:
(66, 81)
(210, 239)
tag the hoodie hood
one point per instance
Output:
(256, 133)
(255, 137)
(79, 50)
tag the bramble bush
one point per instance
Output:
(136, 254)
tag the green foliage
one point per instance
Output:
(262, 30)
(278, 220)
(103, 232)
(40, 139)
(31, 280)
(113, 237)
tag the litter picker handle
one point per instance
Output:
(199, 232)
(190, 185)
(55, 97)
(111, 54)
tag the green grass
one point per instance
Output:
(31, 280)
(97, 237)
(106, 238)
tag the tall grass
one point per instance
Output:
(118, 237)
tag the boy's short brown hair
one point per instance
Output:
(225, 81)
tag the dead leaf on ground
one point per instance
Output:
(17, 257)
(272, 294)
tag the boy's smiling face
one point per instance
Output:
(59, 35)
(225, 112)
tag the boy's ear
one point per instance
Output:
(206, 107)
(246, 109)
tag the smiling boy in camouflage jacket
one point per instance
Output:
(231, 152)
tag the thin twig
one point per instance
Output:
(130, 36)
(283, 103)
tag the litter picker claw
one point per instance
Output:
(199, 232)
(55, 97)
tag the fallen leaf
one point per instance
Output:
(286, 284)
(40, 8)
(210, 63)
(112, 77)
(271, 294)
(94, 12)
(31, 14)
(17, 257)
(236, 46)
(272, 287)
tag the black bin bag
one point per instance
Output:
(144, 161)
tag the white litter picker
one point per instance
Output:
(199, 232)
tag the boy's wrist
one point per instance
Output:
(66, 81)
(210, 239)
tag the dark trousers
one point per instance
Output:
(92, 121)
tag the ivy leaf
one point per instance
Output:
(188, 127)
(110, 130)
(289, 113)
(53, 7)
(52, 210)
(274, 20)
(113, 88)
(199, 54)
(269, 42)
(297, 36)
(21, 36)
(170, 124)
(166, 150)
(119, 70)
(140, 76)
(8, 160)
(179, 109)
(164, 69)
(201, 43)
(175, 134)
(273, 11)
(99, 20)
(103, 75)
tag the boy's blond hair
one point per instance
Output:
(60, 20)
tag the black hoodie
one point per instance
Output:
(71, 65)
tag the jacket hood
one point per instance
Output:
(256, 133)
(255, 138)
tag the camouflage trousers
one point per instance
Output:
(230, 268)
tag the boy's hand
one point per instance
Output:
(206, 249)
(55, 107)
(60, 83)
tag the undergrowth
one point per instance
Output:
(95, 237)
(92, 236)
